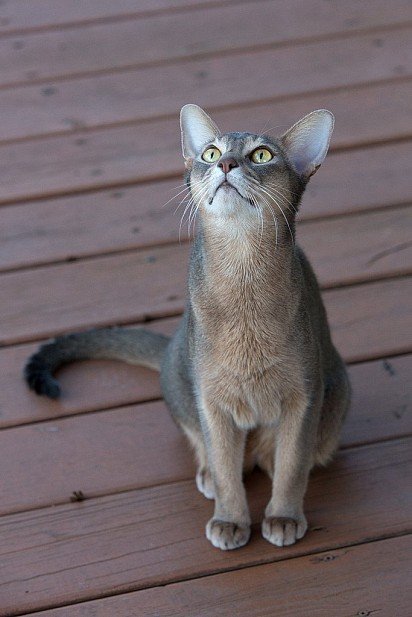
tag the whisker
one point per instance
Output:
(274, 219)
(174, 196)
(281, 189)
(273, 197)
(254, 192)
(197, 194)
(278, 126)
(278, 194)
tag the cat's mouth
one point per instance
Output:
(227, 186)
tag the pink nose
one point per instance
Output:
(227, 164)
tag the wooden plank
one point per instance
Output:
(83, 293)
(381, 397)
(138, 446)
(213, 30)
(151, 283)
(145, 93)
(366, 246)
(27, 15)
(89, 386)
(360, 580)
(374, 244)
(153, 536)
(371, 321)
(106, 157)
(99, 453)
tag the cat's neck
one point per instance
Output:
(244, 295)
(242, 252)
(244, 270)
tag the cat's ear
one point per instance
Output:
(307, 142)
(197, 130)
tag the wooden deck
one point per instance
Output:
(89, 152)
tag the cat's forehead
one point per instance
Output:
(239, 143)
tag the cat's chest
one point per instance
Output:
(259, 399)
(242, 334)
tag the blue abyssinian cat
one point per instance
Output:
(251, 375)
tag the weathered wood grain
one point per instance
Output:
(347, 582)
(151, 92)
(153, 536)
(77, 123)
(214, 30)
(151, 283)
(352, 248)
(371, 321)
(99, 453)
(137, 446)
(151, 150)
(377, 412)
(88, 386)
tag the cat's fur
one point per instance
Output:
(251, 375)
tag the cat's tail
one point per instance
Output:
(132, 345)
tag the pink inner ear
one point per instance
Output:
(197, 130)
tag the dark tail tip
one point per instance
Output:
(39, 379)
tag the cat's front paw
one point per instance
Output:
(284, 530)
(225, 535)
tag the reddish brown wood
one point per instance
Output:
(359, 580)
(137, 446)
(381, 397)
(380, 408)
(371, 321)
(225, 80)
(99, 453)
(373, 245)
(153, 536)
(88, 386)
(151, 150)
(355, 248)
(110, 46)
(111, 128)
(133, 286)
(93, 292)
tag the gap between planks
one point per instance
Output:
(124, 10)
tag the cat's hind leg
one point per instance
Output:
(335, 406)
(204, 480)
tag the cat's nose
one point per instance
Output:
(227, 164)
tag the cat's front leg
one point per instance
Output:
(284, 521)
(230, 526)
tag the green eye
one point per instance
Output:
(261, 155)
(211, 155)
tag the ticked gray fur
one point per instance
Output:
(251, 375)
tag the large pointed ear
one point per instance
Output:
(197, 130)
(307, 142)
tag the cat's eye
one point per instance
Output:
(211, 155)
(261, 155)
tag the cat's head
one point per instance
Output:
(244, 176)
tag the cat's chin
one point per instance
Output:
(227, 202)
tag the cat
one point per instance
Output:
(251, 375)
